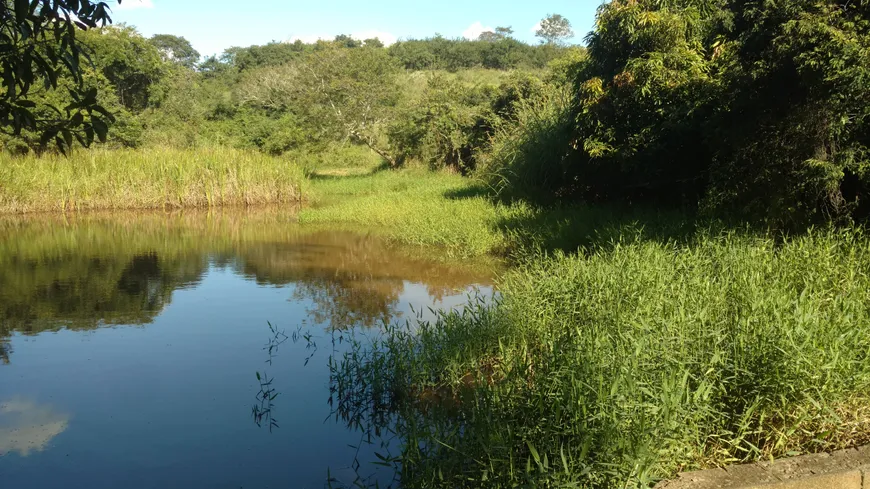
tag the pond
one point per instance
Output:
(131, 346)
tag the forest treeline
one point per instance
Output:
(271, 97)
(735, 108)
(745, 109)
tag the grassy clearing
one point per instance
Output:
(153, 178)
(420, 207)
(413, 206)
(631, 362)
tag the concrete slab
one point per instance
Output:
(844, 469)
(841, 480)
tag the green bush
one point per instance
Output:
(444, 126)
(451, 121)
(747, 113)
(528, 155)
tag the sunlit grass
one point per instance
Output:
(413, 206)
(152, 178)
(631, 362)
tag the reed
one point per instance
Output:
(153, 178)
(629, 363)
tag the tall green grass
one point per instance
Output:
(529, 157)
(628, 363)
(152, 178)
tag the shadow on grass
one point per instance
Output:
(474, 191)
(346, 173)
(551, 224)
(330, 175)
(588, 228)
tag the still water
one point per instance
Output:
(130, 346)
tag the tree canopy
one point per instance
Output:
(177, 49)
(554, 29)
(742, 109)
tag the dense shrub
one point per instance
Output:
(452, 122)
(748, 110)
(530, 150)
(444, 126)
(456, 54)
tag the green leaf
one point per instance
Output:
(101, 128)
(534, 453)
(77, 119)
(21, 10)
(46, 136)
(67, 137)
(564, 459)
(60, 144)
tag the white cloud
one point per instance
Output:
(134, 4)
(308, 39)
(534, 29)
(27, 427)
(385, 37)
(475, 30)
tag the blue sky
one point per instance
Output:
(214, 25)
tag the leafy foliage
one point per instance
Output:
(38, 41)
(177, 49)
(344, 93)
(452, 122)
(495, 50)
(742, 109)
(554, 29)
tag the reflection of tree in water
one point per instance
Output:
(83, 292)
(5, 350)
(352, 279)
(123, 270)
(343, 302)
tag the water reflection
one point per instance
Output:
(98, 270)
(27, 427)
(5, 350)
(169, 403)
(85, 291)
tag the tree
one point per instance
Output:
(499, 34)
(177, 49)
(271, 54)
(373, 43)
(37, 46)
(129, 61)
(347, 41)
(212, 67)
(488, 36)
(554, 29)
(346, 93)
(760, 113)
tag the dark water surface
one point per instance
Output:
(129, 346)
